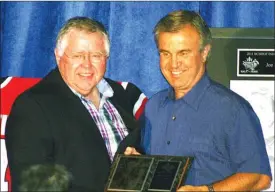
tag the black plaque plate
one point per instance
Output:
(147, 173)
(256, 63)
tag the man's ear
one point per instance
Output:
(205, 52)
(57, 55)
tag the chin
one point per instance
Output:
(179, 86)
(175, 84)
(86, 90)
(83, 90)
(84, 93)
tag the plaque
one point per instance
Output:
(142, 173)
(256, 63)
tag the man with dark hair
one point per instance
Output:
(199, 117)
(49, 178)
(74, 116)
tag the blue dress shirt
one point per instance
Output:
(213, 124)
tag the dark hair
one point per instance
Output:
(45, 178)
(175, 21)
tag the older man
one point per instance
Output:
(199, 117)
(74, 116)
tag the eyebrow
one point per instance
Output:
(81, 52)
(162, 50)
(77, 52)
(184, 51)
(180, 51)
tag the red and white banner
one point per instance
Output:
(10, 89)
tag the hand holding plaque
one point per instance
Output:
(147, 173)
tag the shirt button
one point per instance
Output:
(168, 142)
(174, 117)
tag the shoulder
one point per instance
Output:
(47, 90)
(226, 104)
(155, 101)
(159, 96)
(226, 97)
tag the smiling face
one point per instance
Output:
(82, 60)
(182, 62)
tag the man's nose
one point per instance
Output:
(87, 61)
(175, 62)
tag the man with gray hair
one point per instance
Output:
(74, 116)
(199, 117)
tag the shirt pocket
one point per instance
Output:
(202, 149)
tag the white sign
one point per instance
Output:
(260, 94)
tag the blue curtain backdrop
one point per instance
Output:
(29, 29)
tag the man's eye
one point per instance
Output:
(77, 56)
(164, 54)
(97, 56)
(182, 53)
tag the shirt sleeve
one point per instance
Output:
(28, 139)
(246, 143)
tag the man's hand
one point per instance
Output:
(131, 151)
(192, 188)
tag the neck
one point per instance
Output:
(94, 97)
(182, 91)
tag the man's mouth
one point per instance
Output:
(176, 72)
(85, 74)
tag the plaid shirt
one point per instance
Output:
(107, 118)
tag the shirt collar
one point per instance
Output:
(194, 96)
(104, 89)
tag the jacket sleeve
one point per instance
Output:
(27, 138)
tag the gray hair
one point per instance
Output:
(85, 24)
(175, 21)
